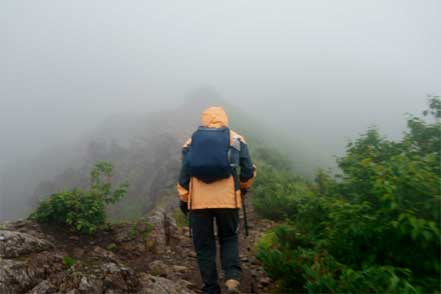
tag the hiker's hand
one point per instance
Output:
(243, 192)
(183, 206)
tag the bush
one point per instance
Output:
(276, 194)
(68, 262)
(277, 190)
(82, 211)
(374, 228)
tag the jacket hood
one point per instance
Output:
(214, 117)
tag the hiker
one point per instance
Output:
(211, 186)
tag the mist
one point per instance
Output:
(318, 73)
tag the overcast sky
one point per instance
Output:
(325, 69)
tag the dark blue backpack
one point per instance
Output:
(207, 159)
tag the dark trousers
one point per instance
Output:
(204, 242)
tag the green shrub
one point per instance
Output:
(276, 193)
(141, 228)
(83, 211)
(112, 247)
(68, 262)
(374, 228)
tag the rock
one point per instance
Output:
(90, 285)
(125, 233)
(254, 261)
(151, 244)
(159, 285)
(164, 230)
(192, 254)
(115, 282)
(44, 287)
(111, 268)
(133, 248)
(157, 217)
(253, 273)
(156, 240)
(113, 291)
(106, 254)
(180, 268)
(14, 244)
(78, 252)
(265, 281)
(119, 278)
(17, 276)
(244, 258)
(158, 268)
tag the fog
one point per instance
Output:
(319, 72)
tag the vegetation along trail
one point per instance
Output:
(374, 226)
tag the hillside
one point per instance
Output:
(152, 255)
(373, 227)
(144, 149)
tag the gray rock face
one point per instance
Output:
(32, 261)
(18, 276)
(32, 266)
(14, 244)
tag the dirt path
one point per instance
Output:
(254, 279)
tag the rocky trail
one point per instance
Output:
(152, 255)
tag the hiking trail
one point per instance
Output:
(152, 255)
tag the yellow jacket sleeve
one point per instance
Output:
(183, 193)
(247, 184)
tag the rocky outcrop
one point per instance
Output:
(151, 255)
(124, 259)
(29, 268)
(14, 244)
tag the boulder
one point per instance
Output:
(43, 288)
(15, 244)
(105, 254)
(180, 268)
(160, 285)
(117, 277)
(90, 285)
(17, 276)
(159, 268)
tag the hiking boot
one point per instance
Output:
(232, 286)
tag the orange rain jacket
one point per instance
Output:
(223, 193)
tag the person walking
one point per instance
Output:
(216, 172)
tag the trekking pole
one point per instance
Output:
(189, 223)
(245, 218)
(189, 219)
(189, 226)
